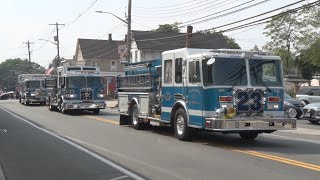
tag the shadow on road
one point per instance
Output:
(262, 143)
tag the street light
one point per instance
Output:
(48, 41)
(58, 58)
(128, 22)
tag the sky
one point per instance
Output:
(23, 21)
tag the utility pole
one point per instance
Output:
(29, 55)
(129, 32)
(56, 38)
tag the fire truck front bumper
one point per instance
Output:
(247, 124)
(74, 105)
(36, 99)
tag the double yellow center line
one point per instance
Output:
(243, 151)
(273, 157)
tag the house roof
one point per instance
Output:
(99, 49)
(152, 40)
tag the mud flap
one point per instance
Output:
(125, 120)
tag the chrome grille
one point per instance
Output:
(86, 94)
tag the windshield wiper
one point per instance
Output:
(233, 73)
(239, 78)
(258, 79)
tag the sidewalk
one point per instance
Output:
(112, 103)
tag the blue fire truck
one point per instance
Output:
(76, 88)
(227, 91)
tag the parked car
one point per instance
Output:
(309, 94)
(291, 105)
(312, 113)
(4, 96)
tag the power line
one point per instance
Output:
(229, 13)
(177, 9)
(166, 7)
(82, 13)
(194, 11)
(280, 14)
(268, 12)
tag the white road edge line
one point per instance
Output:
(1, 174)
(91, 153)
(121, 177)
(293, 138)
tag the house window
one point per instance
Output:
(113, 66)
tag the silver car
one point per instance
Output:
(309, 94)
(311, 112)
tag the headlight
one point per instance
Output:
(287, 103)
(70, 95)
(101, 95)
(33, 94)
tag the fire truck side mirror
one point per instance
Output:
(211, 61)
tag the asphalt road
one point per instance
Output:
(156, 154)
(27, 152)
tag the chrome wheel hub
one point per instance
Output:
(180, 124)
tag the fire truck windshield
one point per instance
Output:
(76, 82)
(94, 82)
(224, 72)
(33, 84)
(265, 72)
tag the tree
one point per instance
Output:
(292, 32)
(309, 60)
(11, 68)
(169, 27)
(255, 48)
(230, 41)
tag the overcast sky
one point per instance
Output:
(23, 20)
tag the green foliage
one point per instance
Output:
(292, 33)
(231, 42)
(11, 68)
(309, 60)
(169, 27)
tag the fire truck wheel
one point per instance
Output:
(135, 119)
(50, 107)
(314, 122)
(181, 129)
(96, 111)
(249, 135)
(61, 108)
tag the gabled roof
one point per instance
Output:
(99, 49)
(152, 40)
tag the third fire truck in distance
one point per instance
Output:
(31, 88)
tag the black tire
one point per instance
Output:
(134, 118)
(124, 120)
(19, 99)
(27, 103)
(96, 111)
(248, 135)
(181, 129)
(50, 107)
(314, 122)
